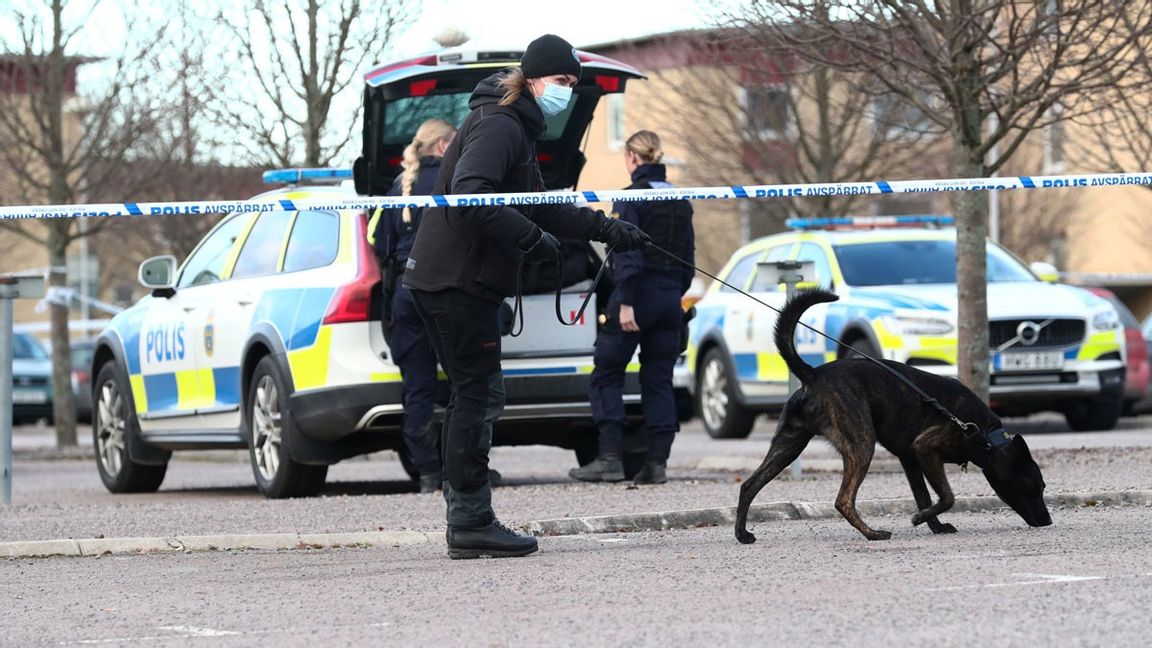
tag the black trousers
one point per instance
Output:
(659, 317)
(412, 352)
(465, 332)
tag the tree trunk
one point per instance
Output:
(971, 278)
(63, 402)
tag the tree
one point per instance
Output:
(1018, 62)
(298, 56)
(61, 144)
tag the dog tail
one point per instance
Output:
(786, 329)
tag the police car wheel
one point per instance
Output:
(114, 428)
(268, 421)
(716, 400)
(1094, 414)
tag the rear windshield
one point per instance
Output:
(26, 347)
(405, 115)
(918, 262)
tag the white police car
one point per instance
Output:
(268, 338)
(1053, 347)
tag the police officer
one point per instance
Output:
(392, 233)
(466, 260)
(644, 310)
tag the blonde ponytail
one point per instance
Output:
(646, 145)
(513, 83)
(428, 135)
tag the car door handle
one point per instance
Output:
(244, 301)
(189, 309)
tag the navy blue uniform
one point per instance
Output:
(407, 337)
(652, 284)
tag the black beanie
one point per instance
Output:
(549, 55)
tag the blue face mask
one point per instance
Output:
(554, 99)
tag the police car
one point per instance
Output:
(1053, 347)
(267, 337)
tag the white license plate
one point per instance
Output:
(29, 397)
(1030, 361)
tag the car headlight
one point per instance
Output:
(904, 325)
(1106, 320)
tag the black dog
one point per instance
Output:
(855, 402)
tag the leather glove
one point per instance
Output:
(622, 235)
(546, 248)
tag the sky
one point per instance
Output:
(517, 22)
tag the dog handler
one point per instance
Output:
(645, 311)
(466, 259)
(391, 235)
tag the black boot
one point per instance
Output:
(431, 482)
(653, 472)
(493, 540)
(606, 468)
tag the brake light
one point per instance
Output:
(395, 161)
(421, 88)
(608, 83)
(545, 157)
(353, 301)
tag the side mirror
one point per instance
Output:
(158, 274)
(1045, 271)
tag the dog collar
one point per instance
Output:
(999, 438)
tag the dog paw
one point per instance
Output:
(745, 537)
(942, 527)
(919, 518)
(878, 534)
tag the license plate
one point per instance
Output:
(29, 397)
(1030, 361)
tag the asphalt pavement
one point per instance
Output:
(208, 500)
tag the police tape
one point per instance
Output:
(578, 197)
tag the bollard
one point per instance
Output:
(11, 287)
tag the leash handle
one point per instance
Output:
(587, 297)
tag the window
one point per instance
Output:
(261, 250)
(207, 261)
(768, 111)
(314, 240)
(894, 116)
(403, 116)
(894, 263)
(764, 282)
(1054, 141)
(616, 133)
(741, 271)
(26, 347)
(812, 252)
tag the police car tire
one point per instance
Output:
(1095, 415)
(291, 479)
(737, 420)
(132, 477)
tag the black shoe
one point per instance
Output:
(653, 472)
(602, 469)
(493, 540)
(431, 482)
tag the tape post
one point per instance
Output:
(732, 192)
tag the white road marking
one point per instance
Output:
(1034, 579)
(191, 632)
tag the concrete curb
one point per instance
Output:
(724, 516)
(658, 521)
(265, 541)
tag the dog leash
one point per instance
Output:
(994, 439)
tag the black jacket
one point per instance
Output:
(669, 223)
(394, 237)
(477, 248)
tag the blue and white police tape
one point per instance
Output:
(329, 203)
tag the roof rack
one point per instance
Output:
(867, 222)
(307, 176)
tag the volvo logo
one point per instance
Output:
(1028, 333)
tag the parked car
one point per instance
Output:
(31, 380)
(1144, 405)
(81, 351)
(1138, 369)
(1053, 347)
(268, 337)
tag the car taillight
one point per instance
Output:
(81, 376)
(353, 301)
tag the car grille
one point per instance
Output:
(1060, 333)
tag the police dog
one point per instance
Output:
(855, 403)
